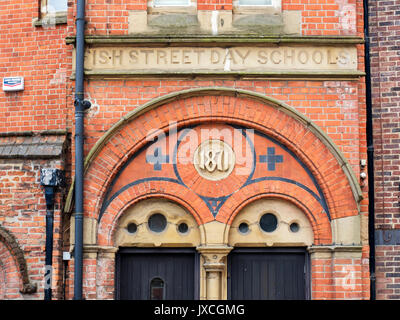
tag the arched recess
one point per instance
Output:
(221, 105)
(173, 226)
(108, 226)
(18, 258)
(270, 220)
(320, 224)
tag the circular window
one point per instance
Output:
(268, 222)
(183, 227)
(131, 227)
(243, 228)
(294, 227)
(157, 222)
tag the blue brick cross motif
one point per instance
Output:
(157, 159)
(271, 159)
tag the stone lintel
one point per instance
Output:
(92, 251)
(335, 252)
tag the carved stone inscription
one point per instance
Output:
(214, 160)
(197, 59)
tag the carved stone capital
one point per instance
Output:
(214, 256)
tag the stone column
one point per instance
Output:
(214, 268)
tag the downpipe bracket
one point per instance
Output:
(81, 104)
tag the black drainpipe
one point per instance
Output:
(370, 151)
(50, 179)
(80, 106)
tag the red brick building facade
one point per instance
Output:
(218, 132)
(33, 136)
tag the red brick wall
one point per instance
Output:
(41, 56)
(337, 107)
(338, 279)
(38, 54)
(332, 105)
(385, 73)
(23, 213)
(388, 272)
(10, 281)
(319, 17)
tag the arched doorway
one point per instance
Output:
(269, 261)
(215, 156)
(157, 259)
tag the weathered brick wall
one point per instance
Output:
(10, 282)
(385, 73)
(23, 213)
(338, 279)
(36, 52)
(388, 272)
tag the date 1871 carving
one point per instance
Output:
(214, 160)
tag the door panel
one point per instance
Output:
(256, 274)
(172, 272)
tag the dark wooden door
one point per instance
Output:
(259, 274)
(156, 274)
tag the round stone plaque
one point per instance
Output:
(214, 160)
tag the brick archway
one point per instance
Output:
(123, 145)
(155, 189)
(13, 264)
(222, 105)
(312, 209)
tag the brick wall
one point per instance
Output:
(332, 105)
(388, 272)
(337, 279)
(337, 107)
(40, 55)
(318, 17)
(23, 213)
(36, 52)
(10, 282)
(385, 73)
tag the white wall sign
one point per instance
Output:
(13, 83)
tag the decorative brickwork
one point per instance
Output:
(15, 251)
(205, 107)
(310, 137)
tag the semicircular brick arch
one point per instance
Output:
(155, 189)
(313, 210)
(277, 120)
(14, 257)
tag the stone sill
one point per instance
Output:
(49, 21)
(204, 39)
(241, 75)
